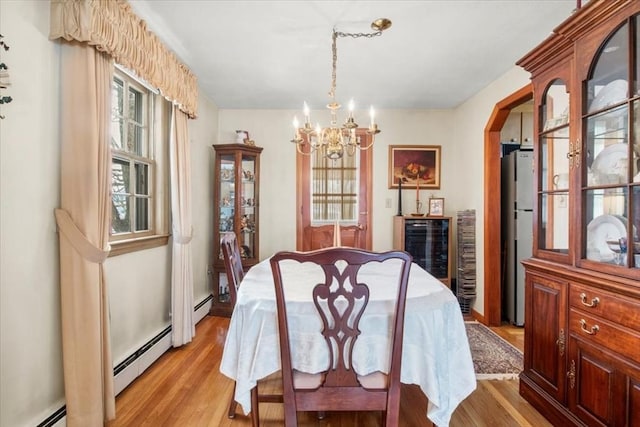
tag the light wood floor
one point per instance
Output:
(185, 388)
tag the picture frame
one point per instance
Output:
(417, 166)
(436, 206)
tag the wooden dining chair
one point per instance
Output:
(340, 300)
(232, 264)
(233, 267)
(235, 273)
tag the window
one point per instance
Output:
(139, 137)
(334, 188)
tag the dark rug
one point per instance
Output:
(493, 357)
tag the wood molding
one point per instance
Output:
(492, 203)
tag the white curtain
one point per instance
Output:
(83, 221)
(182, 325)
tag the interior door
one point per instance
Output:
(355, 231)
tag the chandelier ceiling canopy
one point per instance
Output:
(334, 141)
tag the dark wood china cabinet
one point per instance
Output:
(237, 203)
(582, 309)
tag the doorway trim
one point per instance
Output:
(492, 205)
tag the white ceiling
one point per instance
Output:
(277, 54)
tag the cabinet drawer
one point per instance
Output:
(598, 302)
(594, 329)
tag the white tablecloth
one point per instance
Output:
(435, 354)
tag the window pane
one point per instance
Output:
(117, 136)
(120, 214)
(116, 114)
(134, 139)
(120, 176)
(142, 214)
(142, 179)
(135, 105)
(116, 97)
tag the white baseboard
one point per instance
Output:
(127, 375)
(138, 366)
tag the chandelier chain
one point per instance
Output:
(334, 52)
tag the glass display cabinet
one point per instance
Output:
(582, 286)
(236, 201)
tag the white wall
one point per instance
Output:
(272, 130)
(468, 133)
(31, 385)
(31, 382)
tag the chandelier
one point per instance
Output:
(333, 141)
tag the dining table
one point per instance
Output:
(435, 353)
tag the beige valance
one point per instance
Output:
(112, 27)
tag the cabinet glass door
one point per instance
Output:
(226, 210)
(610, 155)
(248, 208)
(553, 173)
(227, 193)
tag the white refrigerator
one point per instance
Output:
(517, 185)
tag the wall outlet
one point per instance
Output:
(387, 203)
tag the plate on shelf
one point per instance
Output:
(611, 164)
(560, 120)
(601, 229)
(612, 93)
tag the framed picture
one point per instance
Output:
(416, 166)
(436, 207)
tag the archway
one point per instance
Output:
(492, 200)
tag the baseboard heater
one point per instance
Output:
(61, 413)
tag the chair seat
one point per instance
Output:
(303, 380)
(374, 380)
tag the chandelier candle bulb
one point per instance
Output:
(372, 113)
(296, 125)
(306, 114)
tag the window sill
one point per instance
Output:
(133, 245)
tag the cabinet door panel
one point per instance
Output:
(545, 343)
(601, 388)
(594, 388)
